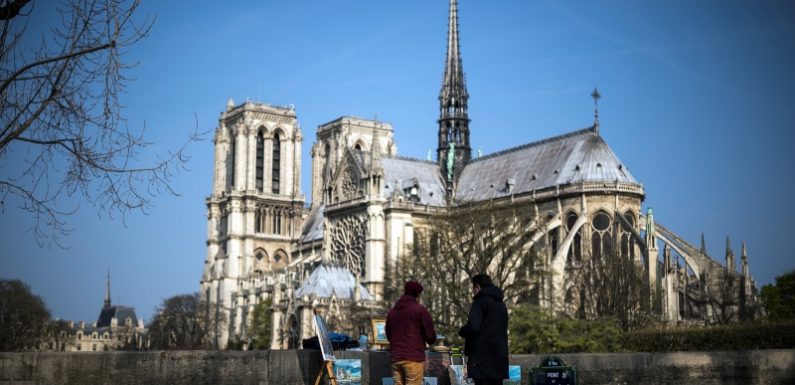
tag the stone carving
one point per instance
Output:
(348, 188)
(347, 243)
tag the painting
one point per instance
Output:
(514, 375)
(379, 331)
(348, 371)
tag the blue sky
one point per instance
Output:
(697, 100)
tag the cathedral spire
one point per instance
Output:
(453, 97)
(729, 256)
(107, 290)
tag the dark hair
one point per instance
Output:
(481, 280)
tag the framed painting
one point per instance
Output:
(379, 331)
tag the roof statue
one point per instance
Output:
(450, 160)
(651, 231)
(596, 96)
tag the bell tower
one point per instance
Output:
(454, 150)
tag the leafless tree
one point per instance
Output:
(614, 286)
(465, 241)
(61, 118)
(181, 322)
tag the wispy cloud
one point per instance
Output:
(345, 54)
(660, 54)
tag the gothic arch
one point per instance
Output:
(293, 334)
(277, 160)
(280, 259)
(574, 254)
(627, 242)
(260, 260)
(601, 234)
(360, 145)
(260, 157)
(690, 261)
(284, 135)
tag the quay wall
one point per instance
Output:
(299, 367)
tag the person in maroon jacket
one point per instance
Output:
(408, 328)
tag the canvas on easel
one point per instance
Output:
(326, 350)
(321, 331)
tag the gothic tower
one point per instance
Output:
(254, 213)
(454, 150)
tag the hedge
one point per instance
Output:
(745, 336)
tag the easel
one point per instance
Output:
(328, 370)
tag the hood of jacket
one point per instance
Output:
(405, 301)
(491, 291)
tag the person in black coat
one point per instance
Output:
(486, 333)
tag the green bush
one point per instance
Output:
(534, 331)
(746, 336)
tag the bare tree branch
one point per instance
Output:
(60, 111)
(465, 241)
(9, 9)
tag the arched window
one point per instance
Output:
(277, 222)
(231, 163)
(627, 240)
(277, 155)
(575, 250)
(260, 261)
(601, 239)
(292, 334)
(417, 242)
(260, 219)
(554, 240)
(279, 259)
(260, 160)
(435, 244)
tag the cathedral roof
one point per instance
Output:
(326, 279)
(576, 157)
(401, 173)
(313, 227)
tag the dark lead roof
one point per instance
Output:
(400, 173)
(121, 313)
(576, 157)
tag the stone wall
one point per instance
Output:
(299, 367)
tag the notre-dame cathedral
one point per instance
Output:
(265, 242)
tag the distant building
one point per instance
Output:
(368, 206)
(117, 328)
